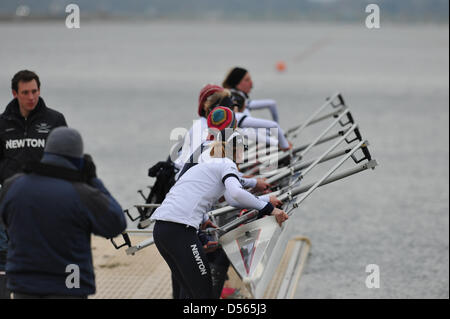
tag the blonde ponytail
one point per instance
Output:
(213, 99)
(218, 149)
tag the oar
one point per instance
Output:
(312, 119)
(255, 169)
(331, 171)
(282, 155)
(298, 129)
(328, 151)
(293, 192)
(312, 164)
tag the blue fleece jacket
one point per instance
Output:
(49, 223)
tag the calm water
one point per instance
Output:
(126, 86)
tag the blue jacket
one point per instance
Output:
(49, 222)
(3, 247)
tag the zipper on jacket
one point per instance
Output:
(25, 132)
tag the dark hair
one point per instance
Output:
(234, 77)
(238, 99)
(24, 76)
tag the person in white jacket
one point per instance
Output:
(184, 212)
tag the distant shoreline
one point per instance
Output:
(4, 18)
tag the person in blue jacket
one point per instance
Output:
(50, 212)
(4, 293)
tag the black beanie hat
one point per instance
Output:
(234, 77)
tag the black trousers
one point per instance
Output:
(219, 264)
(180, 247)
(4, 292)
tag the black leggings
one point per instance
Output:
(181, 248)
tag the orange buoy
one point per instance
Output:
(281, 66)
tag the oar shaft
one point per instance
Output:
(321, 141)
(299, 190)
(282, 155)
(328, 151)
(272, 179)
(286, 171)
(321, 135)
(300, 127)
(294, 134)
(351, 171)
(321, 157)
(331, 171)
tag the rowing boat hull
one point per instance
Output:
(255, 250)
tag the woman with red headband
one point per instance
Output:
(210, 95)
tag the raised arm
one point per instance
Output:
(262, 123)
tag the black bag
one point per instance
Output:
(165, 179)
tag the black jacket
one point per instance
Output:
(23, 140)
